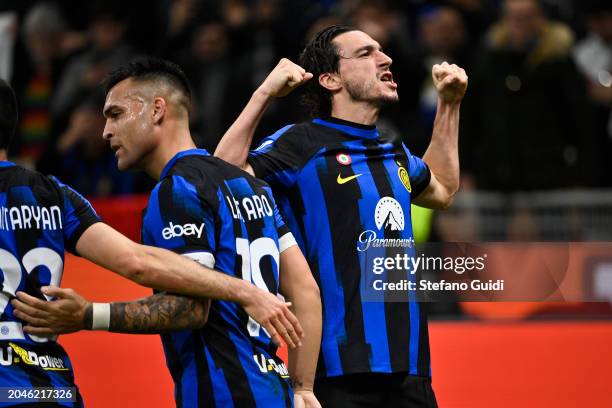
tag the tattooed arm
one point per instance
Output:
(71, 312)
(159, 313)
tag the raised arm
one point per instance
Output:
(442, 155)
(236, 142)
(299, 287)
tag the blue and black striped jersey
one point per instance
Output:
(39, 219)
(345, 194)
(222, 217)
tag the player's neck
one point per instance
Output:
(171, 143)
(357, 112)
(3, 155)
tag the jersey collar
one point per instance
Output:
(184, 153)
(351, 128)
(6, 164)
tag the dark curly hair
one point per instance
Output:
(151, 69)
(320, 56)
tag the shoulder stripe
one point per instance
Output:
(267, 143)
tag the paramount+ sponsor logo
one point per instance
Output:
(388, 217)
(14, 354)
(178, 230)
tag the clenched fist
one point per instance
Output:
(284, 78)
(450, 81)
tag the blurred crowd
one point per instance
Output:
(537, 115)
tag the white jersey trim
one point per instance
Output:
(203, 258)
(286, 242)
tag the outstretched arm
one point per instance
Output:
(236, 142)
(164, 270)
(299, 287)
(442, 155)
(71, 312)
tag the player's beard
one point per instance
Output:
(362, 92)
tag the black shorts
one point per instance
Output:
(397, 390)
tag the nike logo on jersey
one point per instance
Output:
(343, 180)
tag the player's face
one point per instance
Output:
(129, 125)
(365, 69)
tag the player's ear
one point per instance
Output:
(330, 81)
(159, 109)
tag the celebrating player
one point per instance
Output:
(340, 186)
(220, 216)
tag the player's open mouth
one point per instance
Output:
(115, 149)
(387, 77)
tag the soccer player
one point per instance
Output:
(345, 193)
(39, 218)
(213, 212)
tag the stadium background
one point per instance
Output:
(536, 150)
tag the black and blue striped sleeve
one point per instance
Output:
(279, 157)
(419, 173)
(285, 237)
(78, 215)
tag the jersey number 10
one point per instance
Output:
(251, 254)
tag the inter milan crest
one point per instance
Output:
(344, 159)
(402, 173)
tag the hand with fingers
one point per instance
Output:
(275, 317)
(450, 81)
(65, 314)
(284, 78)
